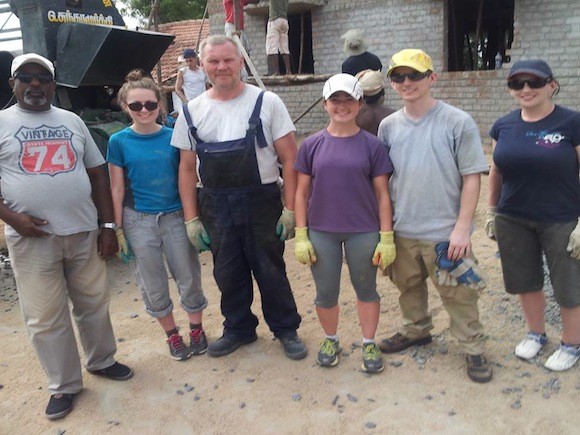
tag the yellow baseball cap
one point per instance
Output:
(412, 58)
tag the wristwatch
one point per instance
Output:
(109, 225)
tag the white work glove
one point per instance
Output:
(197, 234)
(574, 243)
(490, 223)
(286, 224)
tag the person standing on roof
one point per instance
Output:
(232, 15)
(277, 37)
(355, 44)
(191, 80)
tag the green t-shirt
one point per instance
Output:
(278, 9)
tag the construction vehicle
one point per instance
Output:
(92, 51)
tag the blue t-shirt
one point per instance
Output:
(342, 197)
(538, 163)
(150, 165)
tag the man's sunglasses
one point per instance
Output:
(137, 106)
(27, 78)
(518, 85)
(414, 76)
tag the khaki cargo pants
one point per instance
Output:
(415, 262)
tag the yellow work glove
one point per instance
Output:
(574, 243)
(490, 223)
(286, 224)
(385, 252)
(197, 234)
(303, 249)
(125, 253)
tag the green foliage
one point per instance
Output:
(169, 10)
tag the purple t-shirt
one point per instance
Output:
(342, 197)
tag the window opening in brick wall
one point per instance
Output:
(478, 31)
(300, 43)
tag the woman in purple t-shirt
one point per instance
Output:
(343, 199)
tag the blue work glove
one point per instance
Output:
(286, 224)
(125, 253)
(197, 234)
(463, 271)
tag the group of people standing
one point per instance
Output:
(403, 200)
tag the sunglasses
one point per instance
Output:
(27, 78)
(137, 106)
(518, 85)
(414, 76)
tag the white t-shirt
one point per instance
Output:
(220, 121)
(44, 158)
(193, 82)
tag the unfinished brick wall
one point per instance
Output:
(542, 29)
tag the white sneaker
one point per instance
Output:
(529, 347)
(564, 358)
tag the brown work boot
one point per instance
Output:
(399, 342)
(478, 368)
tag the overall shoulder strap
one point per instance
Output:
(255, 123)
(192, 128)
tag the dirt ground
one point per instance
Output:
(258, 390)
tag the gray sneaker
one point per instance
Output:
(372, 359)
(198, 343)
(328, 354)
(177, 348)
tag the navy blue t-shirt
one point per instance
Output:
(538, 163)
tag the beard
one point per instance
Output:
(35, 100)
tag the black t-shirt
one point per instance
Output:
(355, 64)
(538, 162)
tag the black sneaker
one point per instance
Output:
(198, 343)
(478, 368)
(177, 348)
(116, 372)
(294, 348)
(372, 360)
(224, 346)
(59, 406)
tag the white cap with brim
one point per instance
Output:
(24, 59)
(343, 83)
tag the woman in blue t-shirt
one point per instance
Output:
(342, 199)
(534, 205)
(143, 168)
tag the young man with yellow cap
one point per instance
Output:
(438, 158)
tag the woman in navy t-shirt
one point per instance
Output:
(534, 204)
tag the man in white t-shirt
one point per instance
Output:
(55, 189)
(191, 80)
(238, 134)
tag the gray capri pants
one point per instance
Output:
(521, 243)
(151, 236)
(359, 249)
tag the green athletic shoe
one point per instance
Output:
(372, 360)
(328, 354)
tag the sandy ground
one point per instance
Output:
(258, 390)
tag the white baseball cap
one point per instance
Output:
(345, 83)
(23, 59)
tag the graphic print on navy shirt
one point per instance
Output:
(46, 150)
